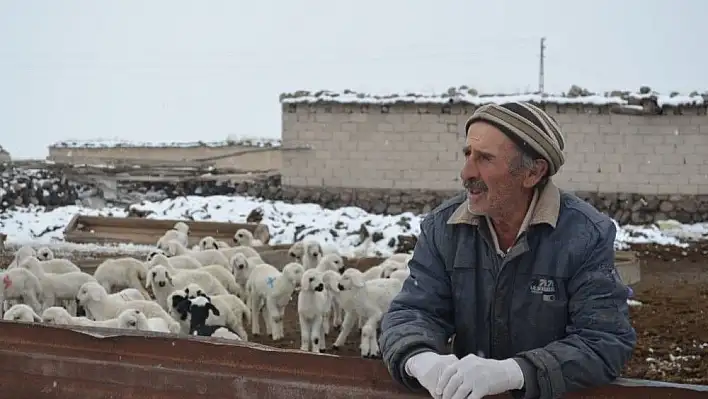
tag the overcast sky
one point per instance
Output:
(181, 70)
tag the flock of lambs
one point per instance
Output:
(212, 289)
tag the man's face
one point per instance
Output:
(492, 185)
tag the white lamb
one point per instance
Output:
(180, 233)
(236, 310)
(226, 278)
(134, 319)
(247, 251)
(115, 274)
(94, 298)
(22, 312)
(333, 315)
(19, 285)
(56, 315)
(245, 238)
(207, 257)
(311, 255)
(164, 280)
(185, 262)
(366, 299)
(269, 292)
(241, 268)
(55, 287)
(296, 251)
(332, 262)
(401, 258)
(45, 253)
(210, 242)
(378, 270)
(389, 266)
(401, 274)
(22, 253)
(311, 307)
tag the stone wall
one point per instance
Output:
(636, 161)
(259, 160)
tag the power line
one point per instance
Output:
(541, 72)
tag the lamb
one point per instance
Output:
(50, 266)
(366, 299)
(311, 255)
(94, 298)
(207, 257)
(269, 291)
(180, 233)
(247, 251)
(127, 294)
(296, 251)
(20, 285)
(45, 253)
(57, 286)
(133, 319)
(22, 253)
(241, 268)
(22, 312)
(400, 258)
(311, 307)
(185, 262)
(198, 310)
(378, 270)
(332, 262)
(401, 274)
(56, 315)
(389, 266)
(245, 238)
(164, 280)
(120, 273)
(210, 242)
(333, 310)
(233, 311)
(226, 278)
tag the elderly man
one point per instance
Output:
(519, 274)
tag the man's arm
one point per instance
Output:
(421, 316)
(600, 336)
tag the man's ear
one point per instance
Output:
(536, 174)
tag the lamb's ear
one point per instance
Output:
(95, 294)
(213, 309)
(176, 300)
(168, 276)
(215, 245)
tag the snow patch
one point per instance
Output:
(232, 140)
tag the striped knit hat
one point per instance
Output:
(532, 129)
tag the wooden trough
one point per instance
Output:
(133, 230)
(93, 363)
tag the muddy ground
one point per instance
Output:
(671, 324)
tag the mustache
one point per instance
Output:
(475, 184)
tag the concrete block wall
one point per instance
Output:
(418, 146)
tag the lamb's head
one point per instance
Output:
(208, 242)
(243, 237)
(174, 299)
(173, 248)
(312, 281)
(331, 280)
(159, 277)
(293, 272)
(296, 251)
(25, 252)
(198, 309)
(21, 312)
(239, 263)
(351, 278)
(45, 253)
(133, 319)
(312, 254)
(56, 315)
(193, 290)
(182, 227)
(91, 292)
(159, 259)
(388, 267)
(333, 262)
(153, 254)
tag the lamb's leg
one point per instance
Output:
(304, 333)
(347, 325)
(326, 318)
(369, 347)
(135, 283)
(255, 312)
(316, 333)
(70, 306)
(235, 323)
(31, 300)
(276, 319)
(337, 319)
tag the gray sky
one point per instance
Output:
(183, 70)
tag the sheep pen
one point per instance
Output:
(672, 340)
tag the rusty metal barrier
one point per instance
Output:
(39, 361)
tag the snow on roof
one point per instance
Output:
(465, 95)
(118, 143)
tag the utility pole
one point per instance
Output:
(542, 56)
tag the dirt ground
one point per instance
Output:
(671, 323)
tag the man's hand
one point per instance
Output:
(427, 367)
(475, 377)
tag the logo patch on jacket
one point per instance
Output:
(545, 286)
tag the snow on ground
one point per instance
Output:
(337, 229)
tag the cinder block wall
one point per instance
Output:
(417, 146)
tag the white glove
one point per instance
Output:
(474, 377)
(426, 367)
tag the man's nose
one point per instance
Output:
(469, 170)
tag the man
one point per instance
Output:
(520, 275)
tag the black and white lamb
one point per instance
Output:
(197, 310)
